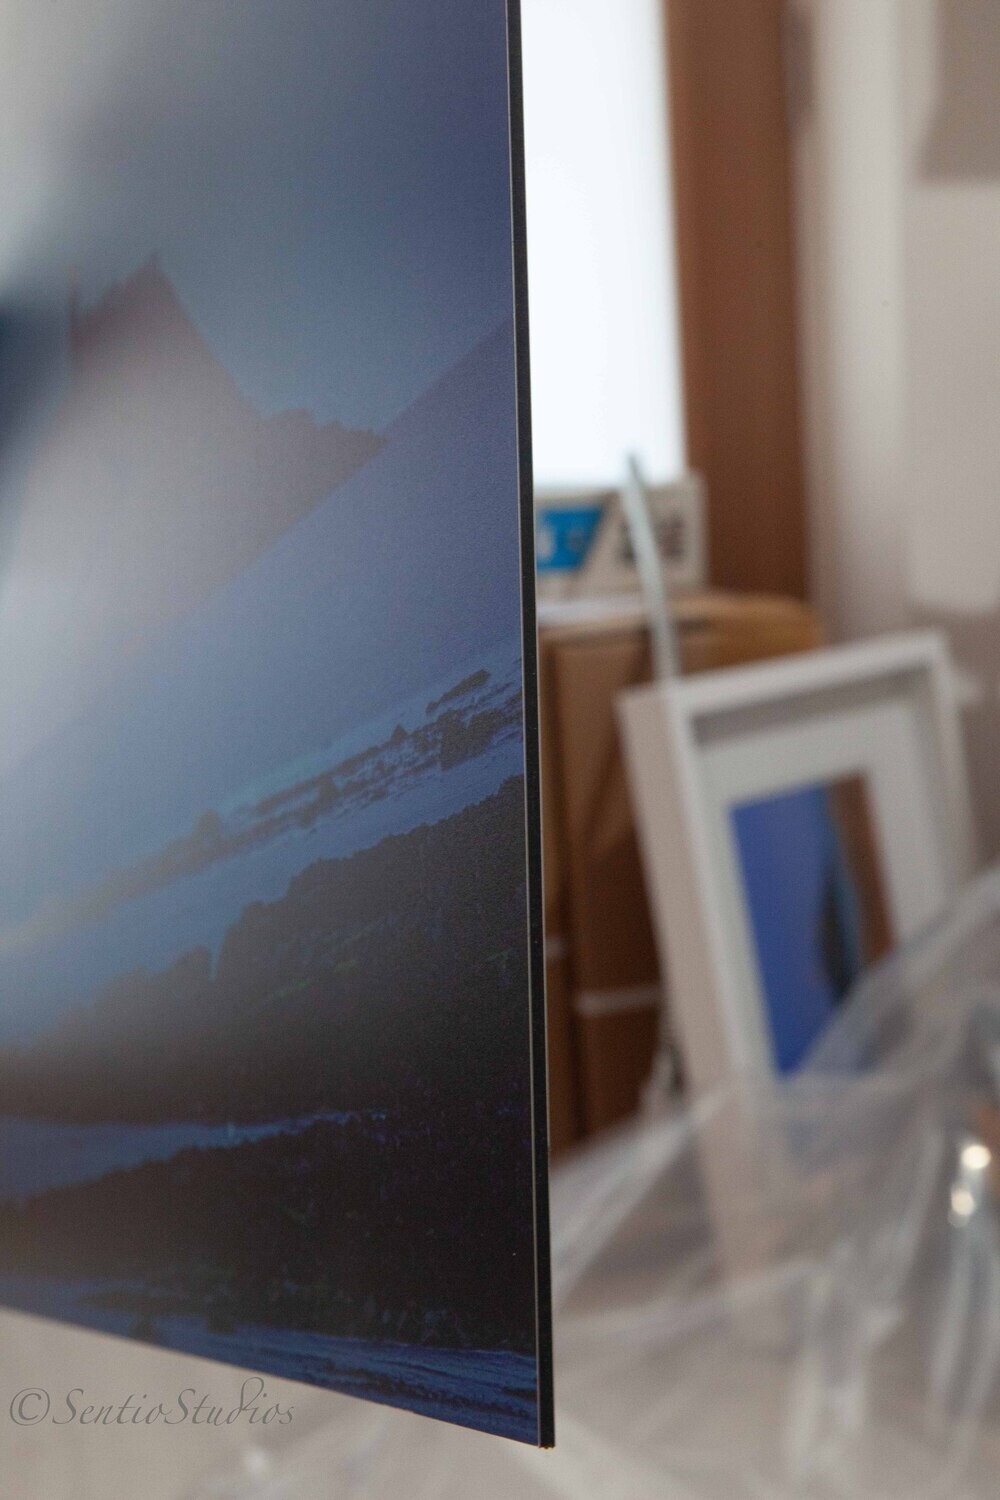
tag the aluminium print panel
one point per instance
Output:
(270, 1024)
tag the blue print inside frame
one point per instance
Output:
(271, 1029)
(816, 899)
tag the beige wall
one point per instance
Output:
(847, 154)
(898, 176)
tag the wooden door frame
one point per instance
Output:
(737, 285)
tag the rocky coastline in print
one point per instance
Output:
(377, 980)
(321, 1225)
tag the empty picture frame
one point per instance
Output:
(797, 819)
(271, 1027)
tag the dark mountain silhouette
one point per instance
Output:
(378, 980)
(384, 587)
(156, 482)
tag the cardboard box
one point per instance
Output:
(605, 1001)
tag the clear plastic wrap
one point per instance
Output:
(781, 1292)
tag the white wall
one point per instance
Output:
(900, 279)
(849, 191)
(604, 343)
(952, 232)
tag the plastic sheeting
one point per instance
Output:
(787, 1292)
(790, 1290)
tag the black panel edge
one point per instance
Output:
(532, 764)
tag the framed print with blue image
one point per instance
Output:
(798, 819)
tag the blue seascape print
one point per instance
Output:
(265, 1063)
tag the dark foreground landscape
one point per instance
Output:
(372, 1012)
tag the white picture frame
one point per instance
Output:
(697, 748)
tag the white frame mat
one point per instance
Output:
(698, 746)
